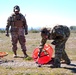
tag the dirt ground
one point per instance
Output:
(20, 62)
(19, 66)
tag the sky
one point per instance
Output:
(41, 13)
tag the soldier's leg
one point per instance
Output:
(14, 43)
(22, 42)
(57, 58)
(64, 55)
(58, 55)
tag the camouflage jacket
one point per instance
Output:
(59, 34)
(16, 21)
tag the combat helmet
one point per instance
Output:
(45, 30)
(16, 8)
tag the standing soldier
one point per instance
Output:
(59, 35)
(19, 27)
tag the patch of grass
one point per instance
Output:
(28, 58)
(9, 68)
(19, 74)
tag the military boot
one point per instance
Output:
(56, 64)
(15, 54)
(25, 54)
(68, 62)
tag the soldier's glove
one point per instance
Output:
(26, 33)
(54, 43)
(7, 34)
(39, 53)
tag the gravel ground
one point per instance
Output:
(29, 65)
(18, 63)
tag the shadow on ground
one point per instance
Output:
(73, 69)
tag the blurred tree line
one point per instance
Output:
(2, 30)
(73, 29)
(37, 30)
(32, 30)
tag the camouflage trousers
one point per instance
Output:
(60, 54)
(18, 37)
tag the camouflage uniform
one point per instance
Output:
(19, 27)
(60, 35)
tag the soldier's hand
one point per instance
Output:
(7, 35)
(53, 43)
(38, 54)
(26, 33)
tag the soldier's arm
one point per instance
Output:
(7, 26)
(42, 43)
(25, 25)
(58, 38)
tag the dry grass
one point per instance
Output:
(33, 40)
